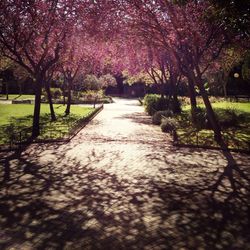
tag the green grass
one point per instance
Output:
(16, 117)
(18, 97)
(236, 137)
(240, 106)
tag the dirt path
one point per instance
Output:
(119, 184)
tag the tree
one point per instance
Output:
(32, 34)
(80, 57)
(187, 34)
(107, 80)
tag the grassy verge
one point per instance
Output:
(240, 106)
(17, 117)
(237, 137)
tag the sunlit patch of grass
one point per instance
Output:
(237, 137)
(18, 117)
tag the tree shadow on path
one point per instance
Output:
(67, 203)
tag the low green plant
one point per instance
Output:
(153, 103)
(229, 117)
(157, 116)
(56, 93)
(198, 118)
(169, 124)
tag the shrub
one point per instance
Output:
(91, 82)
(198, 118)
(169, 124)
(153, 103)
(56, 93)
(228, 117)
(175, 107)
(157, 117)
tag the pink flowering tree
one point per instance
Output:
(32, 34)
(188, 36)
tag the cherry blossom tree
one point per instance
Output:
(32, 34)
(187, 34)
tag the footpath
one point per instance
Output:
(120, 184)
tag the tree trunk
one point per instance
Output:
(215, 125)
(192, 93)
(173, 91)
(64, 95)
(36, 115)
(20, 88)
(67, 111)
(225, 77)
(52, 112)
(210, 113)
(7, 90)
(225, 90)
(120, 85)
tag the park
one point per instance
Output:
(124, 124)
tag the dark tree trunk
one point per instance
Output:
(210, 113)
(7, 90)
(120, 85)
(20, 88)
(67, 111)
(173, 93)
(192, 93)
(64, 94)
(36, 115)
(214, 122)
(52, 112)
(162, 89)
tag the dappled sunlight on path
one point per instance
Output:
(119, 184)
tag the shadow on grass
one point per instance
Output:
(61, 126)
(53, 200)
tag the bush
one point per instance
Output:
(198, 118)
(228, 117)
(175, 107)
(169, 124)
(153, 103)
(91, 82)
(56, 93)
(157, 117)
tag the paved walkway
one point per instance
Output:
(119, 184)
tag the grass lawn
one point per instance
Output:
(240, 106)
(236, 137)
(18, 97)
(16, 117)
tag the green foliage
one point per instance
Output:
(153, 103)
(56, 93)
(91, 82)
(229, 117)
(234, 119)
(198, 118)
(107, 80)
(175, 106)
(157, 117)
(169, 124)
